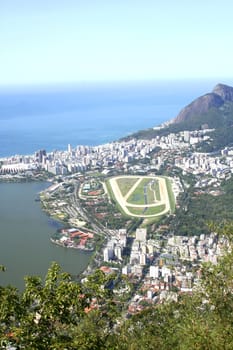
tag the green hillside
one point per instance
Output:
(220, 119)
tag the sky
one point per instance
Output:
(52, 41)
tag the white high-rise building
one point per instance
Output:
(149, 294)
(165, 271)
(142, 259)
(144, 247)
(154, 271)
(126, 270)
(186, 136)
(141, 234)
(108, 254)
(117, 252)
(122, 234)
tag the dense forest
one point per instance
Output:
(198, 208)
(59, 313)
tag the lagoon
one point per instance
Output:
(25, 230)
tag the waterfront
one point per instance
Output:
(25, 246)
(52, 117)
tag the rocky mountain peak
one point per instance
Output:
(215, 99)
(225, 91)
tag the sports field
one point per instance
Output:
(141, 196)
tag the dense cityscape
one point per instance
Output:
(161, 265)
(177, 149)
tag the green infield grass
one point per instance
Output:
(144, 193)
(125, 184)
(147, 210)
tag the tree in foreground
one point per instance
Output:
(56, 314)
(62, 314)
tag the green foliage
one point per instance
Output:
(2, 268)
(220, 119)
(137, 197)
(197, 209)
(53, 314)
(49, 308)
(147, 210)
(170, 195)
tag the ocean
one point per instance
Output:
(51, 117)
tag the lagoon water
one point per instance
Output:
(25, 247)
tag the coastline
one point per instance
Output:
(132, 106)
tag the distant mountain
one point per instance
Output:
(213, 110)
(203, 104)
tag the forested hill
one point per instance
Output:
(213, 110)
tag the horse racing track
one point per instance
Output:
(142, 196)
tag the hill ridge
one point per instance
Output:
(220, 94)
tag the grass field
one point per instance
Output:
(137, 197)
(147, 192)
(171, 196)
(125, 184)
(157, 191)
(147, 210)
(153, 192)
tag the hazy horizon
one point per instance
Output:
(206, 84)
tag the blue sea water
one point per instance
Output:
(51, 117)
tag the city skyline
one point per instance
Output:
(76, 41)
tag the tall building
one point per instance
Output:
(117, 252)
(186, 136)
(126, 269)
(142, 259)
(106, 254)
(40, 155)
(141, 234)
(154, 271)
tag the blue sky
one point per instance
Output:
(50, 41)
